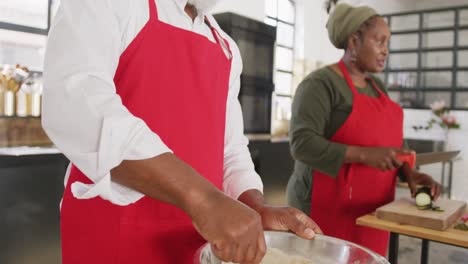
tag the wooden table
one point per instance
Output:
(450, 236)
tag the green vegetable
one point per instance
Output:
(462, 227)
(437, 209)
(424, 200)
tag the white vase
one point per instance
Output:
(447, 140)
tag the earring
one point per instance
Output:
(353, 55)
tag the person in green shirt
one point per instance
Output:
(346, 135)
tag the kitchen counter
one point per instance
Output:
(15, 157)
(26, 151)
(419, 144)
(267, 137)
(31, 186)
(450, 236)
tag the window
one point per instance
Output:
(22, 48)
(24, 25)
(428, 57)
(282, 15)
(28, 13)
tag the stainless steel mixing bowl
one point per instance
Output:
(321, 250)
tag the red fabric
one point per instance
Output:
(359, 189)
(177, 82)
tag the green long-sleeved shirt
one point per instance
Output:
(321, 105)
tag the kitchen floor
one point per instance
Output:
(409, 248)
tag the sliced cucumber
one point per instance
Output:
(424, 198)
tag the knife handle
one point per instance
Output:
(408, 158)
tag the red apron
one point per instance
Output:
(177, 82)
(359, 189)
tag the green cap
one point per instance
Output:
(345, 20)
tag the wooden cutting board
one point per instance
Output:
(404, 211)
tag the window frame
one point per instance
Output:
(29, 29)
(277, 20)
(420, 89)
(274, 21)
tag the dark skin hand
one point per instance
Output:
(415, 179)
(280, 218)
(229, 225)
(382, 158)
(233, 242)
(234, 228)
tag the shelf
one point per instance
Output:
(427, 69)
(428, 89)
(21, 28)
(432, 10)
(451, 49)
(403, 89)
(428, 108)
(19, 117)
(427, 30)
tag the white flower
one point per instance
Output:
(437, 105)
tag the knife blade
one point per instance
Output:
(435, 157)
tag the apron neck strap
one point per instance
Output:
(153, 10)
(345, 72)
(347, 77)
(376, 88)
(219, 39)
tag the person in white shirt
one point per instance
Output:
(141, 96)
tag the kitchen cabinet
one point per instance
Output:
(274, 164)
(256, 42)
(31, 187)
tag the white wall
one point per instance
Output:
(254, 9)
(317, 46)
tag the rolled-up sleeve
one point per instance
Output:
(239, 171)
(82, 113)
(311, 110)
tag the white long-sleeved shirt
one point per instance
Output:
(86, 119)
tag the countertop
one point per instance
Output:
(21, 157)
(28, 151)
(267, 137)
(450, 236)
